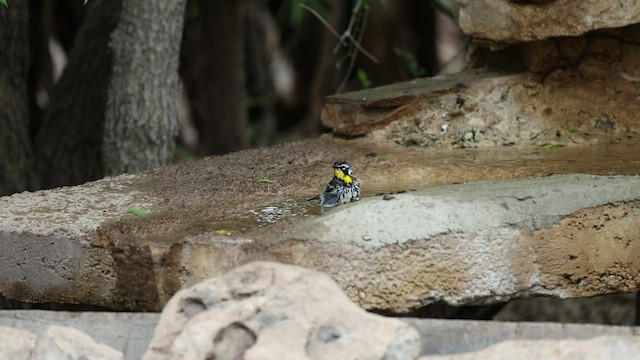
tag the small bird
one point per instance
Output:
(342, 188)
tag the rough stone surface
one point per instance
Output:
(497, 241)
(129, 333)
(274, 311)
(563, 107)
(501, 21)
(138, 263)
(605, 347)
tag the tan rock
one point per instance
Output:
(500, 21)
(274, 311)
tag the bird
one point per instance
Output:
(342, 188)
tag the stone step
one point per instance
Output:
(475, 243)
(131, 333)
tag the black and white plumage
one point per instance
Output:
(342, 188)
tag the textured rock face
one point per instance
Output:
(606, 347)
(500, 21)
(274, 311)
(56, 342)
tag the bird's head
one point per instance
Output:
(343, 170)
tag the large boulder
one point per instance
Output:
(273, 311)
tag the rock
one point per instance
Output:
(127, 332)
(488, 104)
(112, 258)
(273, 311)
(53, 343)
(65, 343)
(500, 21)
(605, 347)
(440, 336)
(16, 344)
(480, 243)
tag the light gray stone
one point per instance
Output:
(605, 347)
(442, 337)
(129, 333)
(275, 311)
(16, 344)
(65, 343)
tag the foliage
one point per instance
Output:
(410, 60)
(291, 12)
(138, 212)
(364, 79)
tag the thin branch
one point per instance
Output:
(352, 61)
(346, 34)
(323, 21)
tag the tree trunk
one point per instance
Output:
(16, 157)
(142, 110)
(221, 108)
(68, 144)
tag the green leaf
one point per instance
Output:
(364, 79)
(4, 2)
(573, 129)
(266, 181)
(410, 61)
(548, 145)
(385, 157)
(223, 232)
(138, 212)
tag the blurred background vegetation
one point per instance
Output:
(252, 73)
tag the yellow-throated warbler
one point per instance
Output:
(342, 188)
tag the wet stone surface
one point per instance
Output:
(209, 216)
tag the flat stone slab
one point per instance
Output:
(521, 21)
(131, 333)
(479, 243)
(475, 243)
(446, 337)
(480, 108)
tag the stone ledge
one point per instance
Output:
(477, 243)
(131, 333)
(503, 21)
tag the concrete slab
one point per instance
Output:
(132, 332)
(129, 333)
(443, 337)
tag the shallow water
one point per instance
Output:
(419, 168)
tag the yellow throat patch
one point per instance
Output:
(342, 176)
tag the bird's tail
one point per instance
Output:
(329, 199)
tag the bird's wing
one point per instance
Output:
(333, 184)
